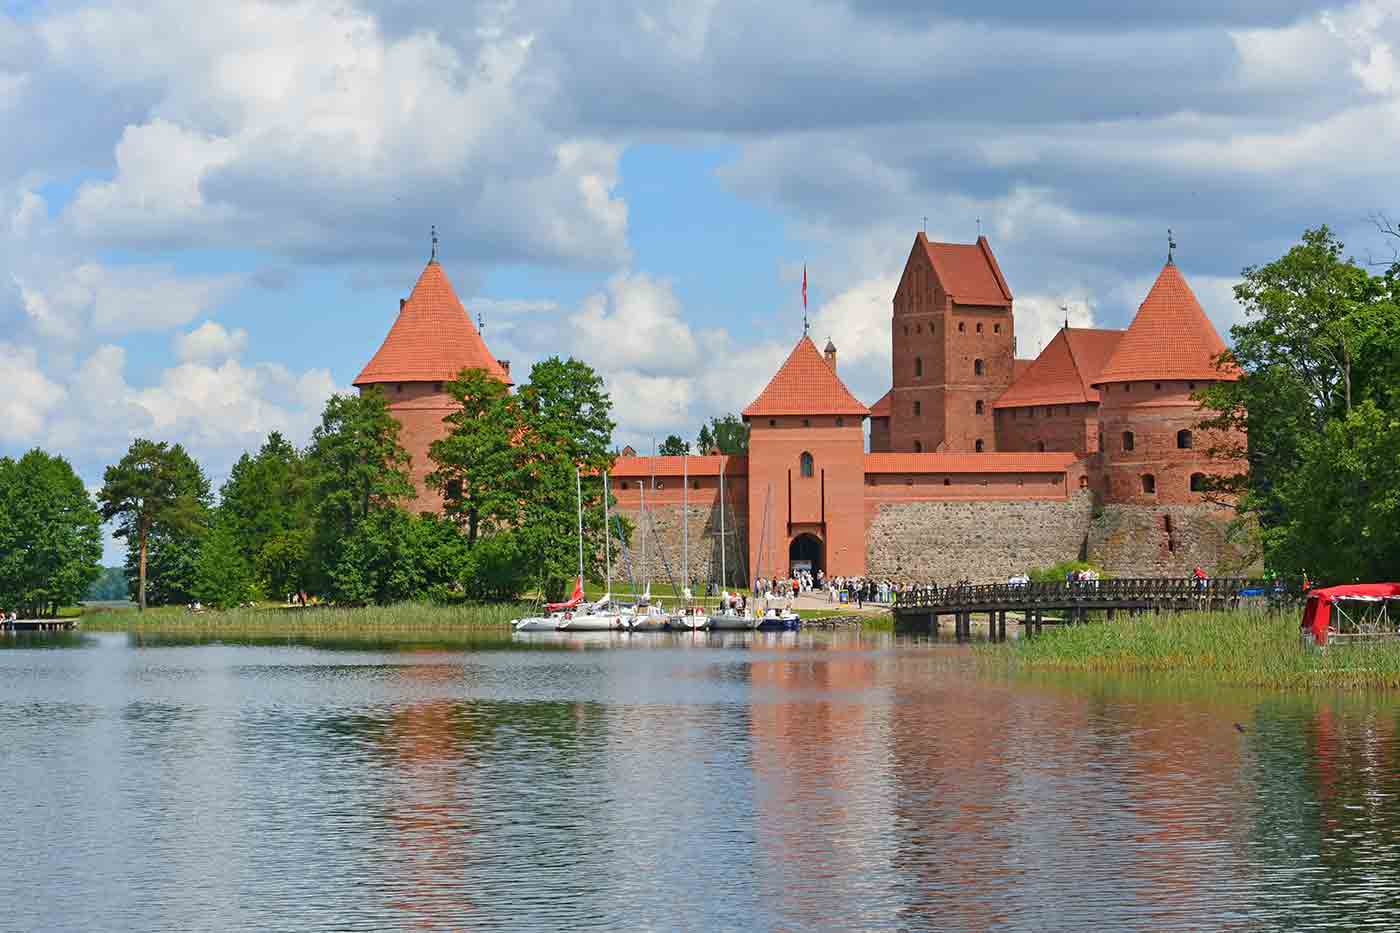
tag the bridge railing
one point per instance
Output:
(1142, 590)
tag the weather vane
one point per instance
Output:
(480, 324)
(1171, 245)
(435, 242)
(1065, 308)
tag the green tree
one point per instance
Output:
(267, 504)
(356, 469)
(223, 574)
(728, 433)
(567, 407)
(673, 446)
(50, 534)
(477, 463)
(157, 494)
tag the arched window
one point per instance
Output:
(977, 367)
(1183, 440)
(1127, 440)
(918, 366)
(918, 409)
(1149, 484)
(807, 464)
(1040, 447)
(979, 406)
(979, 328)
(996, 328)
(1198, 482)
(978, 445)
(961, 327)
(918, 447)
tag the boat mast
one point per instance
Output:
(646, 574)
(685, 522)
(607, 533)
(722, 539)
(578, 490)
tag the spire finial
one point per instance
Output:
(925, 225)
(433, 257)
(1171, 246)
(480, 324)
(1065, 310)
(979, 228)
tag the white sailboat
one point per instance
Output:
(728, 617)
(647, 617)
(690, 616)
(598, 617)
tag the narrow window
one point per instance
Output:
(398, 387)
(906, 330)
(1049, 412)
(978, 446)
(1127, 440)
(1183, 440)
(695, 484)
(918, 409)
(1149, 484)
(806, 422)
(961, 327)
(918, 328)
(947, 481)
(437, 386)
(979, 328)
(918, 367)
(807, 464)
(772, 422)
(1156, 387)
(840, 421)
(1198, 482)
(918, 447)
(624, 484)
(979, 406)
(996, 328)
(1040, 447)
(1191, 386)
(977, 367)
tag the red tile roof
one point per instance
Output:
(642, 467)
(1050, 462)
(1064, 372)
(968, 272)
(432, 340)
(805, 385)
(885, 407)
(1171, 338)
(1019, 367)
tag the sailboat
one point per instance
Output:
(598, 617)
(728, 617)
(689, 617)
(647, 617)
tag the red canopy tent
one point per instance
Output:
(1317, 615)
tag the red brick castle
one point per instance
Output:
(979, 464)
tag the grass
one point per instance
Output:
(1240, 648)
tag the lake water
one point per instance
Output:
(833, 781)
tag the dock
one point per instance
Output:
(39, 625)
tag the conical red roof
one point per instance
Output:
(806, 385)
(433, 338)
(1171, 338)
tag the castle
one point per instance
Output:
(980, 465)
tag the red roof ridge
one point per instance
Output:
(1171, 337)
(805, 385)
(433, 338)
(883, 408)
(1000, 462)
(968, 272)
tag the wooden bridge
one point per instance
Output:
(1038, 604)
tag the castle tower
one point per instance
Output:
(1153, 451)
(953, 348)
(806, 470)
(432, 340)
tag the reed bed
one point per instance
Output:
(313, 622)
(1259, 649)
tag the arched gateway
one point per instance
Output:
(805, 553)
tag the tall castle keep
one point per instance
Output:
(979, 464)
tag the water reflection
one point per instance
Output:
(724, 781)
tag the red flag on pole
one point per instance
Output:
(804, 286)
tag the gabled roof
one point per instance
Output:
(1049, 462)
(968, 272)
(805, 385)
(432, 340)
(885, 407)
(1170, 338)
(1064, 372)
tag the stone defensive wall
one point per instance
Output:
(1170, 541)
(675, 500)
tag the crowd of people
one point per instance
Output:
(855, 590)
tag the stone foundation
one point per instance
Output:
(1169, 541)
(666, 525)
(984, 541)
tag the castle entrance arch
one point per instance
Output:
(805, 553)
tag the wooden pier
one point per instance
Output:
(39, 625)
(1040, 604)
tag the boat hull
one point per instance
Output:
(592, 624)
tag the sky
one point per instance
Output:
(210, 211)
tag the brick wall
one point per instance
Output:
(1169, 541)
(419, 408)
(880, 435)
(982, 540)
(1059, 427)
(666, 520)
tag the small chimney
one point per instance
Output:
(831, 354)
(505, 364)
(402, 302)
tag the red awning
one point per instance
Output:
(1317, 615)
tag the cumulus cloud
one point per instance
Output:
(209, 341)
(29, 395)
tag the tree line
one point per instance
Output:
(1320, 400)
(334, 519)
